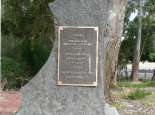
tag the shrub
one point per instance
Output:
(22, 58)
(12, 73)
(138, 94)
(34, 53)
(152, 56)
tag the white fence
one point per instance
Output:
(145, 70)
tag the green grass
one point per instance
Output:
(138, 85)
(138, 94)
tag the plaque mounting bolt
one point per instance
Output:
(96, 29)
(60, 82)
(94, 83)
(61, 28)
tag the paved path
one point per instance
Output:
(9, 102)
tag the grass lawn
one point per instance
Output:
(136, 85)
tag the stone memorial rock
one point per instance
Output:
(44, 94)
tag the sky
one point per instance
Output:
(133, 15)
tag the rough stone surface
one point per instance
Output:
(41, 96)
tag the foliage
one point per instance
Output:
(147, 46)
(130, 33)
(27, 38)
(138, 94)
(35, 57)
(12, 72)
(152, 56)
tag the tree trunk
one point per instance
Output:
(115, 29)
(136, 56)
(153, 77)
(114, 43)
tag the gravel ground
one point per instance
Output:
(145, 106)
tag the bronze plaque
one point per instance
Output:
(77, 56)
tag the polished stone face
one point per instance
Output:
(77, 56)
